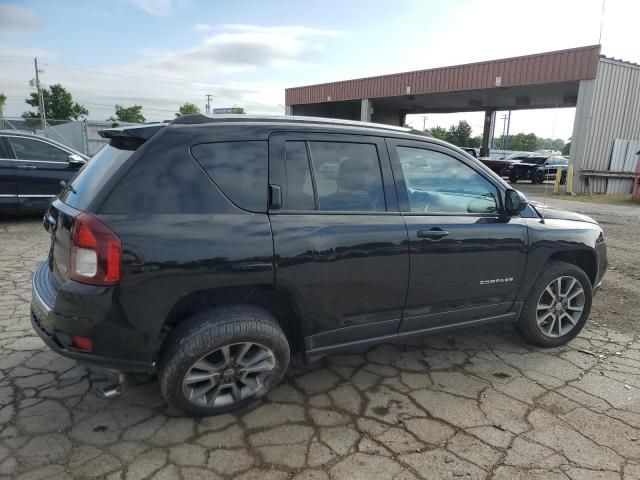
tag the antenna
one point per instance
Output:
(601, 23)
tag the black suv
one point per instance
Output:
(538, 169)
(212, 250)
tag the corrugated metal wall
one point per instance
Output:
(608, 109)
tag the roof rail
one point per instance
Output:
(199, 118)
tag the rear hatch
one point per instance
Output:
(83, 194)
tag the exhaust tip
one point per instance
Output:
(110, 392)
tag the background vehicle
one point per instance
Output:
(213, 249)
(31, 169)
(538, 169)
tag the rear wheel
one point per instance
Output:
(558, 305)
(222, 360)
(513, 176)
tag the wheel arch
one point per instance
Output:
(582, 258)
(276, 301)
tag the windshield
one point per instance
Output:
(84, 186)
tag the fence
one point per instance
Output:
(81, 135)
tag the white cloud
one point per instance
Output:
(15, 17)
(237, 48)
(160, 80)
(159, 8)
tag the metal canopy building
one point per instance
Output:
(599, 87)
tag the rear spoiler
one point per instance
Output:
(130, 138)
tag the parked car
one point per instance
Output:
(31, 169)
(538, 169)
(471, 151)
(518, 155)
(212, 250)
(500, 167)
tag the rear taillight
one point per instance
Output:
(95, 252)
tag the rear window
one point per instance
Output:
(93, 175)
(239, 169)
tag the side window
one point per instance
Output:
(439, 183)
(239, 169)
(29, 149)
(347, 176)
(298, 193)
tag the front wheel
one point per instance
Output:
(538, 177)
(558, 305)
(222, 360)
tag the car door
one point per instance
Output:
(340, 242)
(8, 189)
(40, 167)
(467, 259)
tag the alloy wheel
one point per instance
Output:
(228, 375)
(560, 306)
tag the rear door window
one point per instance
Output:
(299, 192)
(239, 169)
(30, 149)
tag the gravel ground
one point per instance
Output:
(477, 404)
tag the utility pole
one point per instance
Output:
(508, 128)
(504, 129)
(208, 109)
(43, 115)
(424, 122)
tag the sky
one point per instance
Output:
(162, 53)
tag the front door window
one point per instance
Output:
(438, 183)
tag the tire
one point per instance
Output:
(538, 177)
(216, 339)
(513, 177)
(545, 334)
(563, 178)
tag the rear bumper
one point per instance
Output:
(55, 328)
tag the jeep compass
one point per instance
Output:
(212, 250)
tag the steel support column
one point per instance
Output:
(365, 110)
(489, 119)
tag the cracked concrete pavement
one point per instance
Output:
(477, 404)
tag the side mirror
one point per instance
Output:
(514, 202)
(76, 160)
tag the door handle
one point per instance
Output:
(434, 233)
(26, 167)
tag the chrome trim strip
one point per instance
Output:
(35, 196)
(9, 195)
(36, 296)
(39, 161)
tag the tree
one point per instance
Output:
(521, 142)
(238, 110)
(567, 148)
(128, 114)
(439, 133)
(550, 144)
(476, 142)
(460, 134)
(187, 108)
(58, 104)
